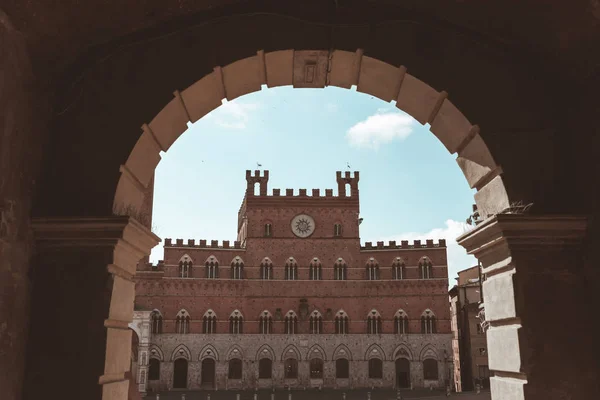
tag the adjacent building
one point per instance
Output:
(295, 301)
(469, 346)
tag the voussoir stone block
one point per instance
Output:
(121, 302)
(128, 195)
(417, 98)
(379, 79)
(242, 77)
(170, 123)
(344, 68)
(492, 198)
(280, 68)
(499, 297)
(204, 96)
(115, 390)
(504, 353)
(507, 388)
(144, 158)
(475, 160)
(450, 125)
(118, 351)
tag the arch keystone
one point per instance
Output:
(242, 77)
(379, 79)
(203, 96)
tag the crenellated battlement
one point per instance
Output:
(343, 179)
(404, 244)
(204, 244)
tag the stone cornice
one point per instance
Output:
(525, 230)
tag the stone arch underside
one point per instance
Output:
(334, 68)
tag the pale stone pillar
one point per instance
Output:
(540, 339)
(80, 341)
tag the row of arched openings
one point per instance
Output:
(315, 269)
(290, 321)
(290, 367)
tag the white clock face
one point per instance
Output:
(303, 225)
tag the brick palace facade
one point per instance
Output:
(295, 301)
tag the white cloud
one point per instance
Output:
(458, 259)
(234, 115)
(381, 128)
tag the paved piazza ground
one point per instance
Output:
(316, 395)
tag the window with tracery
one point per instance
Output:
(316, 322)
(236, 322)
(340, 272)
(209, 322)
(185, 267)
(425, 268)
(156, 322)
(291, 269)
(182, 322)
(291, 323)
(374, 323)
(428, 322)
(266, 269)
(315, 270)
(337, 230)
(372, 269)
(398, 269)
(237, 268)
(265, 322)
(212, 267)
(401, 322)
(341, 322)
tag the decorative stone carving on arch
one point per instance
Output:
(428, 351)
(235, 351)
(402, 351)
(342, 351)
(374, 351)
(208, 351)
(291, 351)
(371, 76)
(265, 351)
(316, 351)
(181, 351)
(156, 352)
(186, 258)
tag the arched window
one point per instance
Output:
(265, 368)
(428, 322)
(154, 369)
(266, 269)
(185, 267)
(341, 322)
(290, 368)
(375, 368)
(342, 368)
(315, 270)
(236, 322)
(430, 369)
(316, 368)
(337, 230)
(156, 322)
(212, 267)
(398, 268)
(268, 230)
(182, 322)
(291, 323)
(237, 268)
(340, 272)
(235, 369)
(291, 269)
(374, 322)
(372, 269)
(316, 322)
(425, 268)
(265, 323)
(401, 322)
(209, 322)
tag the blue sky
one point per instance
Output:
(410, 186)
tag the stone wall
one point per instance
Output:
(358, 349)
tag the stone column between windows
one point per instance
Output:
(540, 342)
(82, 303)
